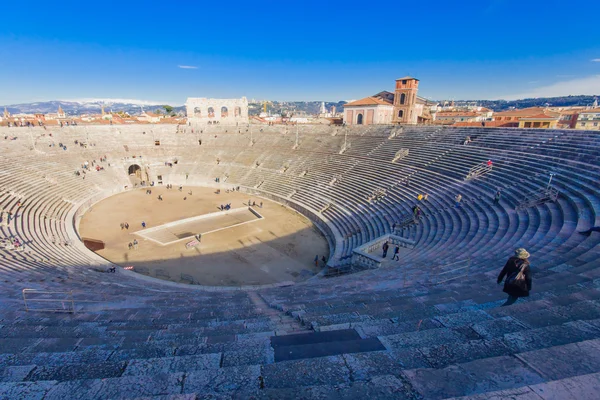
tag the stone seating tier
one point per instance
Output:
(135, 337)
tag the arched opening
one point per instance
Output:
(211, 112)
(237, 111)
(135, 170)
(197, 112)
(401, 114)
(224, 112)
(402, 98)
(359, 119)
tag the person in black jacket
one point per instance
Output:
(511, 269)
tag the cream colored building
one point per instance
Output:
(589, 120)
(368, 111)
(221, 111)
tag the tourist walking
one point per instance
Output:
(396, 251)
(385, 248)
(135, 244)
(518, 276)
(497, 197)
(143, 224)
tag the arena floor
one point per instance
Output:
(237, 248)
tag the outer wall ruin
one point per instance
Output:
(217, 111)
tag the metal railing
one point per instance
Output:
(63, 300)
(477, 171)
(538, 197)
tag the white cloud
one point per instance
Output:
(187, 67)
(581, 86)
(596, 60)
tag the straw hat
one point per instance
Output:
(521, 253)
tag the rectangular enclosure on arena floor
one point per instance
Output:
(183, 229)
(205, 111)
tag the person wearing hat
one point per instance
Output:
(514, 286)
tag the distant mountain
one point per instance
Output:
(297, 108)
(503, 105)
(93, 106)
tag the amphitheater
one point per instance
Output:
(427, 327)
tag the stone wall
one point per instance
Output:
(217, 111)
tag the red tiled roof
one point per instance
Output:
(538, 116)
(368, 101)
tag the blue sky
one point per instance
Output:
(303, 50)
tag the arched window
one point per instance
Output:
(224, 112)
(401, 114)
(197, 112)
(402, 98)
(237, 111)
(359, 119)
(211, 112)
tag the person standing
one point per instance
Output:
(517, 271)
(458, 199)
(385, 248)
(497, 197)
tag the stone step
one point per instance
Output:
(323, 349)
(480, 376)
(584, 387)
(315, 337)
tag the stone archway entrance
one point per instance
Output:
(359, 119)
(135, 170)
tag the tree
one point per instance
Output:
(168, 109)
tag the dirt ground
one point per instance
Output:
(280, 247)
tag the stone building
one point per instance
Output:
(401, 107)
(368, 111)
(213, 111)
(406, 108)
(589, 119)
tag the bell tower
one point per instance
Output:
(405, 100)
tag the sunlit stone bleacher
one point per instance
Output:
(385, 333)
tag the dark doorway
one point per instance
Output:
(135, 170)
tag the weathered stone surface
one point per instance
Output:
(224, 380)
(497, 327)
(463, 318)
(454, 353)
(123, 387)
(16, 345)
(565, 361)
(410, 358)
(364, 366)
(585, 387)
(166, 365)
(16, 373)
(25, 390)
(315, 371)
(475, 377)
(522, 393)
(77, 371)
(384, 387)
(430, 337)
(547, 337)
(386, 327)
(254, 355)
